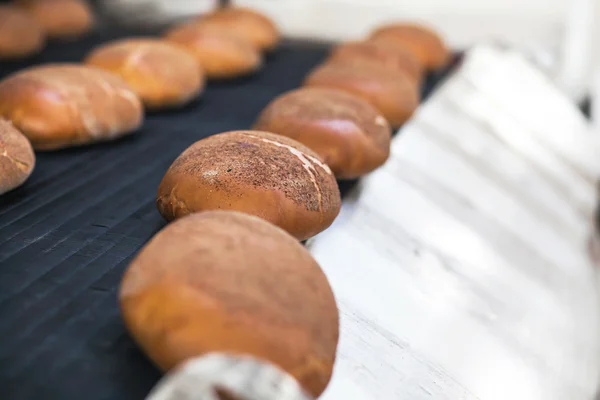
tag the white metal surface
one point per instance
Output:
(461, 266)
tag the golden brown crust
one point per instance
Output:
(60, 18)
(259, 173)
(20, 35)
(393, 93)
(220, 54)
(17, 159)
(63, 105)
(347, 132)
(382, 54)
(426, 45)
(229, 282)
(162, 74)
(246, 25)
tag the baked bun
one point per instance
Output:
(393, 93)
(64, 105)
(16, 157)
(224, 281)
(426, 45)
(162, 74)
(61, 18)
(369, 53)
(259, 173)
(347, 132)
(245, 24)
(20, 35)
(220, 54)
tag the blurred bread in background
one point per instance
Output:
(20, 34)
(60, 18)
(393, 93)
(162, 74)
(378, 53)
(246, 25)
(220, 54)
(425, 45)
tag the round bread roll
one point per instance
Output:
(229, 282)
(20, 35)
(425, 45)
(162, 74)
(393, 93)
(347, 132)
(247, 25)
(64, 105)
(259, 173)
(381, 54)
(16, 157)
(238, 377)
(61, 18)
(220, 54)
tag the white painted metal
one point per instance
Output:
(461, 266)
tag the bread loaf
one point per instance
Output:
(347, 132)
(425, 45)
(381, 54)
(246, 25)
(63, 105)
(61, 18)
(229, 282)
(393, 93)
(20, 35)
(258, 173)
(16, 157)
(220, 54)
(162, 74)
(230, 376)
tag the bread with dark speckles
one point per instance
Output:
(393, 93)
(347, 132)
(17, 159)
(64, 105)
(228, 282)
(162, 74)
(20, 34)
(258, 173)
(425, 44)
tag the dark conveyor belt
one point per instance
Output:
(68, 234)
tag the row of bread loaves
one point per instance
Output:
(229, 275)
(224, 281)
(64, 105)
(25, 25)
(221, 278)
(337, 126)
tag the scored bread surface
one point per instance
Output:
(62, 105)
(161, 73)
(17, 159)
(260, 173)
